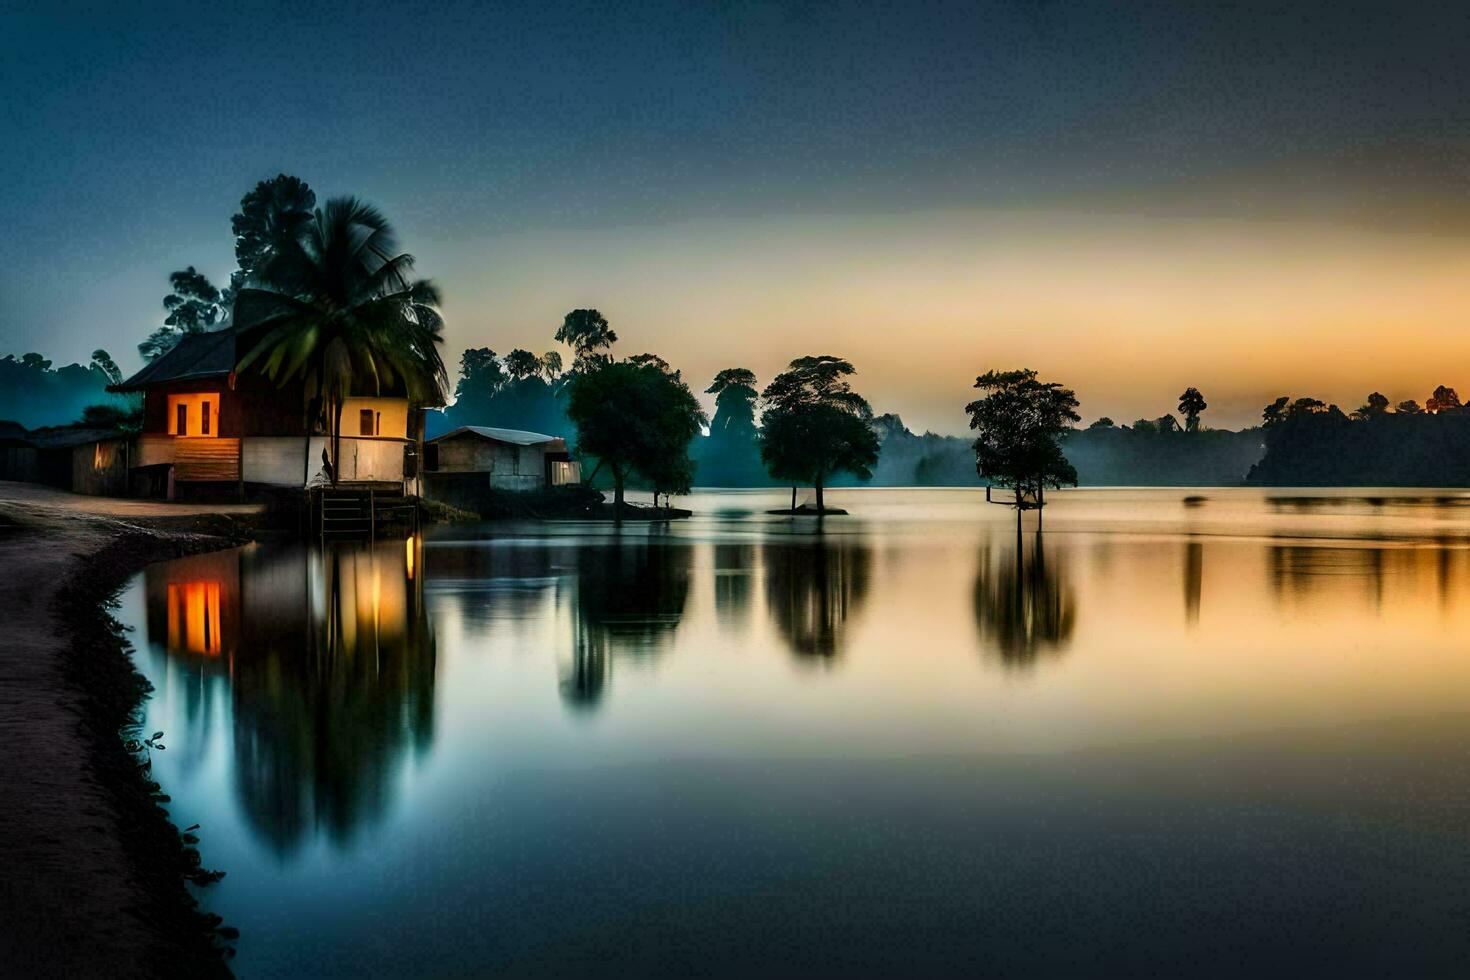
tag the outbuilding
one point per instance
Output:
(476, 457)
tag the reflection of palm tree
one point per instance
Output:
(813, 589)
(1023, 607)
(629, 599)
(329, 697)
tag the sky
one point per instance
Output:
(1132, 198)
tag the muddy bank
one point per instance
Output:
(94, 872)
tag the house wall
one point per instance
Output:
(507, 466)
(18, 463)
(280, 461)
(390, 414)
(100, 468)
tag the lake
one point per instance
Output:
(1204, 731)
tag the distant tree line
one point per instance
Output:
(1312, 443)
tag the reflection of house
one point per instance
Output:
(474, 458)
(194, 604)
(204, 426)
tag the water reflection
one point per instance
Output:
(1194, 579)
(1023, 607)
(629, 596)
(329, 662)
(814, 589)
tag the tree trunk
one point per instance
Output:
(617, 491)
(1040, 505)
(821, 507)
(793, 500)
(336, 440)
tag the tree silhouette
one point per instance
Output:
(551, 365)
(193, 306)
(1276, 411)
(1102, 423)
(731, 454)
(815, 425)
(339, 310)
(635, 416)
(587, 333)
(1191, 403)
(1019, 424)
(1408, 407)
(270, 218)
(521, 364)
(1444, 399)
(102, 361)
(1375, 405)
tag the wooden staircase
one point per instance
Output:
(356, 512)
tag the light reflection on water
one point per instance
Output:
(1172, 731)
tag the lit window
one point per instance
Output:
(181, 424)
(365, 422)
(204, 418)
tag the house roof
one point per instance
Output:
(196, 355)
(13, 432)
(67, 436)
(517, 437)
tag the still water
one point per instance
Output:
(1217, 731)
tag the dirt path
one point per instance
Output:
(82, 892)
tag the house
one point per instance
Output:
(71, 457)
(463, 463)
(207, 429)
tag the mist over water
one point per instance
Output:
(1205, 730)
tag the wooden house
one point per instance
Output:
(207, 428)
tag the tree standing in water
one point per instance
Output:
(1191, 403)
(636, 416)
(815, 425)
(1019, 423)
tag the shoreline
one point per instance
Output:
(95, 868)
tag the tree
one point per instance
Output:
(1444, 399)
(102, 361)
(521, 364)
(1191, 403)
(815, 425)
(1409, 407)
(1306, 406)
(1375, 405)
(731, 454)
(1019, 424)
(269, 220)
(1102, 423)
(551, 365)
(587, 333)
(194, 306)
(636, 417)
(338, 309)
(1276, 411)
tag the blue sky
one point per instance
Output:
(673, 162)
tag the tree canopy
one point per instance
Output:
(814, 424)
(194, 306)
(1019, 423)
(1191, 404)
(636, 417)
(589, 336)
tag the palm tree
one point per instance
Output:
(337, 308)
(1191, 403)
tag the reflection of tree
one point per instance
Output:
(630, 597)
(1194, 578)
(813, 588)
(734, 568)
(1023, 607)
(334, 682)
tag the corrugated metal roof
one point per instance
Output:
(197, 355)
(518, 437)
